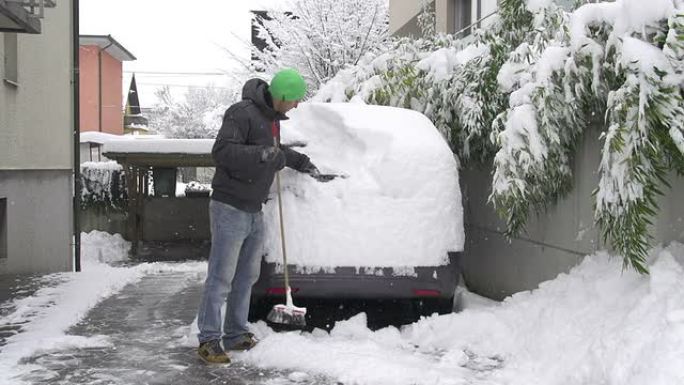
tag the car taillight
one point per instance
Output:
(426, 293)
(279, 290)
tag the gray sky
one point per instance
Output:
(186, 38)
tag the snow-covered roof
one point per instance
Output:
(159, 146)
(399, 206)
(101, 137)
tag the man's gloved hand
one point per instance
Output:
(273, 155)
(312, 170)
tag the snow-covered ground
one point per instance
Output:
(66, 298)
(595, 325)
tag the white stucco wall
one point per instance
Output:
(401, 12)
(36, 148)
(35, 117)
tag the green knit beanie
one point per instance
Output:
(287, 84)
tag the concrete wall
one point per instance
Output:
(403, 12)
(555, 240)
(35, 117)
(102, 219)
(112, 103)
(39, 221)
(36, 148)
(91, 152)
(176, 219)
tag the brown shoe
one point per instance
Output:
(212, 352)
(244, 342)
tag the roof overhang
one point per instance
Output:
(108, 44)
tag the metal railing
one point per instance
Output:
(36, 8)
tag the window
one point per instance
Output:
(462, 15)
(10, 74)
(3, 228)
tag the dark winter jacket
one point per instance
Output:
(242, 180)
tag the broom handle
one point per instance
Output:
(288, 296)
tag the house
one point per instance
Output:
(101, 72)
(37, 136)
(451, 16)
(134, 121)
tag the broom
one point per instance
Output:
(287, 314)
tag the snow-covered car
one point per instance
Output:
(390, 228)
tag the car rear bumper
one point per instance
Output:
(346, 283)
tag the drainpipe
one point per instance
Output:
(99, 84)
(76, 133)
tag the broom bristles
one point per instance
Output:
(286, 315)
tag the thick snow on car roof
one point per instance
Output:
(399, 206)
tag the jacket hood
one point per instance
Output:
(256, 90)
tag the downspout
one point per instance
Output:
(76, 133)
(99, 83)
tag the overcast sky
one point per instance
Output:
(186, 38)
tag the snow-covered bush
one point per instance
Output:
(102, 184)
(521, 93)
(321, 37)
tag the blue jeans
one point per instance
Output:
(234, 265)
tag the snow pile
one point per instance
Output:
(398, 206)
(101, 137)
(335, 89)
(108, 166)
(47, 315)
(442, 63)
(160, 146)
(594, 325)
(538, 5)
(101, 247)
(624, 15)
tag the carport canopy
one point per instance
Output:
(140, 155)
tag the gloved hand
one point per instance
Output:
(274, 156)
(312, 170)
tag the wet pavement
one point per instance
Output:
(146, 326)
(16, 287)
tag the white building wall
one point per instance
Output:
(35, 117)
(36, 148)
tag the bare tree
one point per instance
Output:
(197, 115)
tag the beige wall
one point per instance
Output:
(403, 13)
(555, 240)
(36, 149)
(39, 221)
(35, 118)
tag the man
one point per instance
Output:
(246, 162)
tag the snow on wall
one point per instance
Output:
(400, 205)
